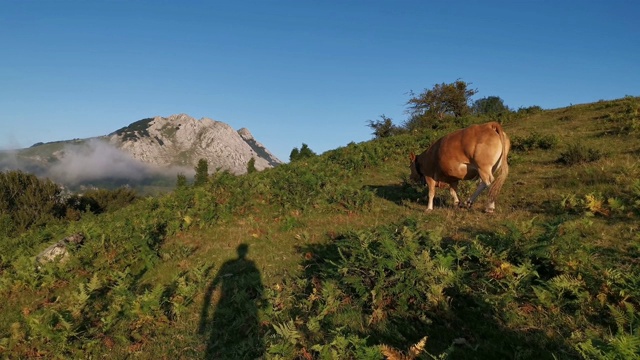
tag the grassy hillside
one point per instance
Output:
(334, 257)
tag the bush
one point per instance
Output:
(531, 110)
(103, 200)
(578, 154)
(26, 200)
(303, 153)
(534, 141)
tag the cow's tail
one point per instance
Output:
(503, 170)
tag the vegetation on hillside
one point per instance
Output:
(135, 130)
(302, 153)
(334, 257)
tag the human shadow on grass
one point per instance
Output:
(233, 330)
(469, 326)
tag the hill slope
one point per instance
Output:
(335, 257)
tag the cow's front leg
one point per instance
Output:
(453, 190)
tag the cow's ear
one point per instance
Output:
(412, 156)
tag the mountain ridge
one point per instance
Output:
(182, 140)
(143, 150)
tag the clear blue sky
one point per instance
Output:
(297, 71)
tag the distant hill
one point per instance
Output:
(143, 152)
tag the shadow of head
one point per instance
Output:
(242, 250)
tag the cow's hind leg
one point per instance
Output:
(486, 179)
(473, 197)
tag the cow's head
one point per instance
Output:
(416, 175)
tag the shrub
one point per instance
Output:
(303, 153)
(110, 200)
(27, 200)
(181, 180)
(534, 141)
(530, 110)
(578, 153)
(354, 157)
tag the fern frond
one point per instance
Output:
(81, 300)
(566, 282)
(392, 354)
(418, 348)
(288, 331)
(94, 284)
(395, 354)
(619, 317)
(628, 346)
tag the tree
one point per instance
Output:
(383, 127)
(26, 201)
(181, 180)
(251, 166)
(430, 108)
(306, 152)
(202, 173)
(492, 105)
(302, 153)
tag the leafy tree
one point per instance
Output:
(492, 105)
(202, 173)
(181, 181)
(26, 200)
(295, 154)
(251, 166)
(306, 152)
(429, 109)
(302, 153)
(384, 127)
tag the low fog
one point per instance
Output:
(89, 162)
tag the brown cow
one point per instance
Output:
(478, 150)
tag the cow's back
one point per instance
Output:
(474, 145)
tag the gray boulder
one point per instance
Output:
(59, 251)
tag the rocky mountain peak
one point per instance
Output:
(182, 140)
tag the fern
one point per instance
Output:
(414, 351)
(625, 344)
(94, 284)
(288, 332)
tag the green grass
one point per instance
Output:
(343, 261)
